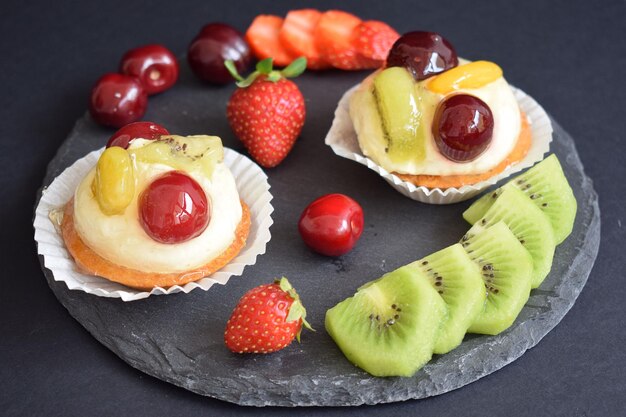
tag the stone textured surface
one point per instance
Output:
(178, 338)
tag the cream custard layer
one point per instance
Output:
(122, 240)
(498, 96)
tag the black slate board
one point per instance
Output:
(178, 338)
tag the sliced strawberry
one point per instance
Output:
(296, 36)
(333, 37)
(262, 35)
(373, 39)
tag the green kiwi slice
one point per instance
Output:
(458, 280)
(528, 223)
(506, 268)
(545, 184)
(398, 104)
(199, 152)
(389, 327)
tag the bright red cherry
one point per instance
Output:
(332, 224)
(117, 100)
(174, 208)
(155, 65)
(462, 127)
(423, 54)
(144, 130)
(216, 43)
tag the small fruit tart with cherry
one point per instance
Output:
(157, 210)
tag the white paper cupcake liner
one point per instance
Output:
(253, 190)
(342, 138)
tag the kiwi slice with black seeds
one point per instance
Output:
(547, 187)
(398, 104)
(528, 223)
(389, 327)
(506, 269)
(458, 280)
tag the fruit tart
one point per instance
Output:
(156, 211)
(435, 121)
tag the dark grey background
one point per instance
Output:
(570, 56)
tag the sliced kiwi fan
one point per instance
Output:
(393, 325)
(457, 279)
(546, 186)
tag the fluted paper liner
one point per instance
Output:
(342, 138)
(253, 190)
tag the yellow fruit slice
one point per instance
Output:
(469, 76)
(114, 183)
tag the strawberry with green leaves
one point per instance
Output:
(266, 319)
(267, 111)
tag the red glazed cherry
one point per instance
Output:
(117, 100)
(462, 127)
(154, 65)
(144, 130)
(174, 208)
(216, 43)
(332, 224)
(423, 54)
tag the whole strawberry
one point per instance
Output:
(267, 111)
(266, 319)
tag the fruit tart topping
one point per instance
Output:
(186, 153)
(332, 224)
(154, 65)
(117, 100)
(174, 208)
(143, 130)
(462, 127)
(114, 183)
(400, 109)
(468, 76)
(424, 54)
(216, 43)
(267, 319)
(267, 112)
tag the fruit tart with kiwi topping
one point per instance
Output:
(157, 210)
(438, 121)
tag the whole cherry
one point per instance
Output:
(117, 100)
(174, 208)
(155, 65)
(216, 43)
(144, 130)
(332, 224)
(462, 127)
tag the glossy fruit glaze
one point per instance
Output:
(154, 65)
(216, 43)
(462, 127)
(424, 54)
(144, 130)
(174, 208)
(117, 100)
(332, 224)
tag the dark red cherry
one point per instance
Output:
(155, 65)
(424, 54)
(144, 130)
(216, 43)
(117, 100)
(462, 127)
(174, 208)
